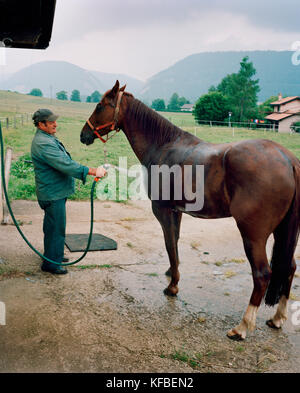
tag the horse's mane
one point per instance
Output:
(156, 128)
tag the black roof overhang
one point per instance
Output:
(26, 24)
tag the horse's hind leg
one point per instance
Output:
(281, 313)
(170, 222)
(256, 253)
(282, 273)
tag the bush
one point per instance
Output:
(212, 106)
(22, 169)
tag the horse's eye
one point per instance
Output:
(99, 107)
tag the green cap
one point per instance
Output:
(44, 114)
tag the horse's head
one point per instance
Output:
(106, 116)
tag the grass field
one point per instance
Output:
(73, 116)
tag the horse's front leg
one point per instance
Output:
(170, 222)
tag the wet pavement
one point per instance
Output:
(117, 314)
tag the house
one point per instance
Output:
(187, 107)
(286, 112)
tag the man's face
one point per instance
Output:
(49, 127)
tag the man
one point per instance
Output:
(54, 177)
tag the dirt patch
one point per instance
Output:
(110, 314)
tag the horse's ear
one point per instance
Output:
(123, 88)
(114, 91)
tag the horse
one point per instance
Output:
(257, 182)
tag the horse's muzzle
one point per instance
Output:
(87, 137)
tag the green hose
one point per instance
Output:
(16, 223)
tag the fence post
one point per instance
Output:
(1, 200)
(7, 123)
(8, 157)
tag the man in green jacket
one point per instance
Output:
(54, 177)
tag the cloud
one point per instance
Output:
(142, 49)
(75, 18)
(141, 38)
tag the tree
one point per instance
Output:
(158, 104)
(36, 92)
(88, 99)
(296, 126)
(75, 96)
(265, 108)
(62, 95)
(174, 103)
(96, 96)
(211, 106)
(241, 91)
(182, 101)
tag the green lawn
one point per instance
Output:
(72, 118)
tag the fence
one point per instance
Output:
(4, 213)
(15, 121)
(237, 124)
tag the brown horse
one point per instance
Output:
(257, 182)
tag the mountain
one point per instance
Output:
(54, 76)
(190, 77)
(195, 74)
(108, 80)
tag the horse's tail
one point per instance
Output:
(286, 237)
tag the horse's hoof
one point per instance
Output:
(272, 325)
(235, 336)
(171, 291)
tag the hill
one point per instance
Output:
(53, 76)
(190, 77)
(195, 74)
(108, 80)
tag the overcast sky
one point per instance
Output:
(143, 37)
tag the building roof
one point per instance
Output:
(285, 100)
(187, 106)
(26, 24)
(280, 116)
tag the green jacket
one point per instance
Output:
(54, 168)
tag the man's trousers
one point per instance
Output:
(54, 228)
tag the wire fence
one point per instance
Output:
(15, 121)
(20, 120)
(251, 125)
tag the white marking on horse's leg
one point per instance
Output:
(248, 322)
(281, 313)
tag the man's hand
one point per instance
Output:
(98, 172)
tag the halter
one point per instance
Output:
(112, 124)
